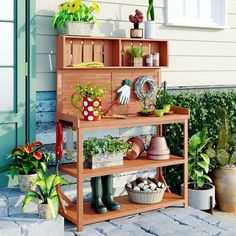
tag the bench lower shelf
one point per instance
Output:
(127, 208)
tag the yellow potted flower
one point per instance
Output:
(75, 18)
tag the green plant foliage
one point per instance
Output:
(74, 11)
(198, 161)
(108, 144)
(90, 91)
(47, 193)
(27, 159)
(224, 152)
(150, 11)
(203, 107)
(135, 52)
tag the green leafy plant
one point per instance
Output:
(74, 11)
(199, 161)
(135, 52)
(108, 144)
(28, 159)
(225, 151)
(90, 91)
(203, 106)
(47, 193)
(162, 98)
(150, 11)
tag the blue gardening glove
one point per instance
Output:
(124, 92)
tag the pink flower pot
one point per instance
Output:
(137, 148)
(158, 149)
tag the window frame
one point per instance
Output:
(219, 21)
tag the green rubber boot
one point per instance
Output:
(107, 196)
(96, 200)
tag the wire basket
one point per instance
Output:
(143, 197)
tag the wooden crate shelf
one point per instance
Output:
(129, 165)
(111, 51)
(127, 208)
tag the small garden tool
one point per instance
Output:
(124, 95)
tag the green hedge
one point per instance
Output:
(203, 108)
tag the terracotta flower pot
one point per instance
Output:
(26, 182)
(44, 211)
(224, 179)
(137, 148)
(158, 149)
(159, 112)
(92, 109)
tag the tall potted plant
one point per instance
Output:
(149, 24)
(200, 189)
(136, 19)
(47, 194)
(25, 161)
(224, 158)
(75, 18)
(89, 97)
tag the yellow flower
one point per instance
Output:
(96, 7)
(74, 6)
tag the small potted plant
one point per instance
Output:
(200, 189)
(75, 18)
(47, 194)
(159, 108)
(223, 156)
(136, 19)
(149, 24)
(104, 152)
(25, 161)
(166, 100)
(135, 56)
(91, 97)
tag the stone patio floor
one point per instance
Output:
(176, 221)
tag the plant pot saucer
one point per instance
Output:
(145, 113)
(170, 112)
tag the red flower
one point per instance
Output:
(38, 155)
(20, 149)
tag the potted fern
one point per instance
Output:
(149, 24)
(200, 189)
(223, 155)
(75, 18)
(46, 194)
(135, 56)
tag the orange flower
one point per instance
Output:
(38, 155)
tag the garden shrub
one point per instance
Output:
(203, 106)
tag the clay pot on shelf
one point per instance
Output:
(137, 148)
(135, 61)
(92, 109)
(136, 32)
(158, 149)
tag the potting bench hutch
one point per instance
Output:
(112, 52)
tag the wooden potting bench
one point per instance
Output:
(112, 52)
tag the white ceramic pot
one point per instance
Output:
(76, 28)
(200, 199)
(26, 182)
(150, 29)
(44, 211)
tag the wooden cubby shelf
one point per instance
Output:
(129, 165)
(112, 52)
(127, 208)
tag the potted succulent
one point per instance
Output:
(135, 56)
(223, 155)
(149, 24)
(91, 97)
(136, 19)
(25, 161)
(47, 195)
(103, 152)
(200, 189)
(75, 18)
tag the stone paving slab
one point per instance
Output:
(177, 221)
(31, 225)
